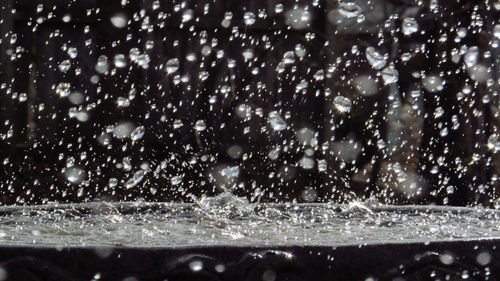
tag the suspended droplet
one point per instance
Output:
(276, 121)
(122, 130)
(177, 124)
(175, 180)
(200, 125)
(376, 59)
(63, 89)
(123, 102)
(350, 9)
(72, 52)
(319, 75)
(249, 18)
(172, 65)
(74, 174)
(496, 31)
(444, 132)
(137, 133)
(135, 179)
(342, 104)
(472, 56)
(298, 18)
(65, 66)
(390, 74)
(119, 20)
(226, 22)
(289, 57)
(102, 64)
(433, 83)
(187, 15)
(112, 182)
(409, 26)
(120, 61)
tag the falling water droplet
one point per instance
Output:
(472, 56)
(74, 174)
(120, 61)
(433, 83)
(137, 133)
(123, 102)
(342, 104)
(119, 20)
(135, 179)
(409, 26)
(65, 66)
(200, 125)
(172, 65)
(376, 59)
(390, 74)
(350, 9)
(249, 18)
(276, 121)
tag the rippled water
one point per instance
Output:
(172, 225)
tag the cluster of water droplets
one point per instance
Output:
(306, 101)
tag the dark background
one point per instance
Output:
(36, 144)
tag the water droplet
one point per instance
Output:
(350, 9)
(249, 18)
(122, 130)
(72, 52)
(64, 66)
(187, 15)
(74, 175)
(342, 104)
(120, 61)
(102, 64)
(63, 89)
(175, 180)
(200, 125)
(375, 58)
(409, 26)
(289, 57)
(135, 179)
(119, 20)
(472, 56)
(276, 121)
(112, 182)
(137, 133)
(319, 75)
(390, 75)
(172, 65)
(122, 102)
(298, 18)
(433, 83)
(496, 31)
(196, 266)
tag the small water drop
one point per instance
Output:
(135, 179)
(64, 66)
(409, 26)
(172, 65)
(375, 58)
(200, 125)
(433, 83)
(350, 9)
(137, 133)
(249, 18)
(342, 104)
(390, 74)
(120, 61)
(276, 121)
(119, 20)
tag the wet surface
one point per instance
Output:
(237, 224)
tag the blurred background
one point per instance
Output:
(392, 101)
